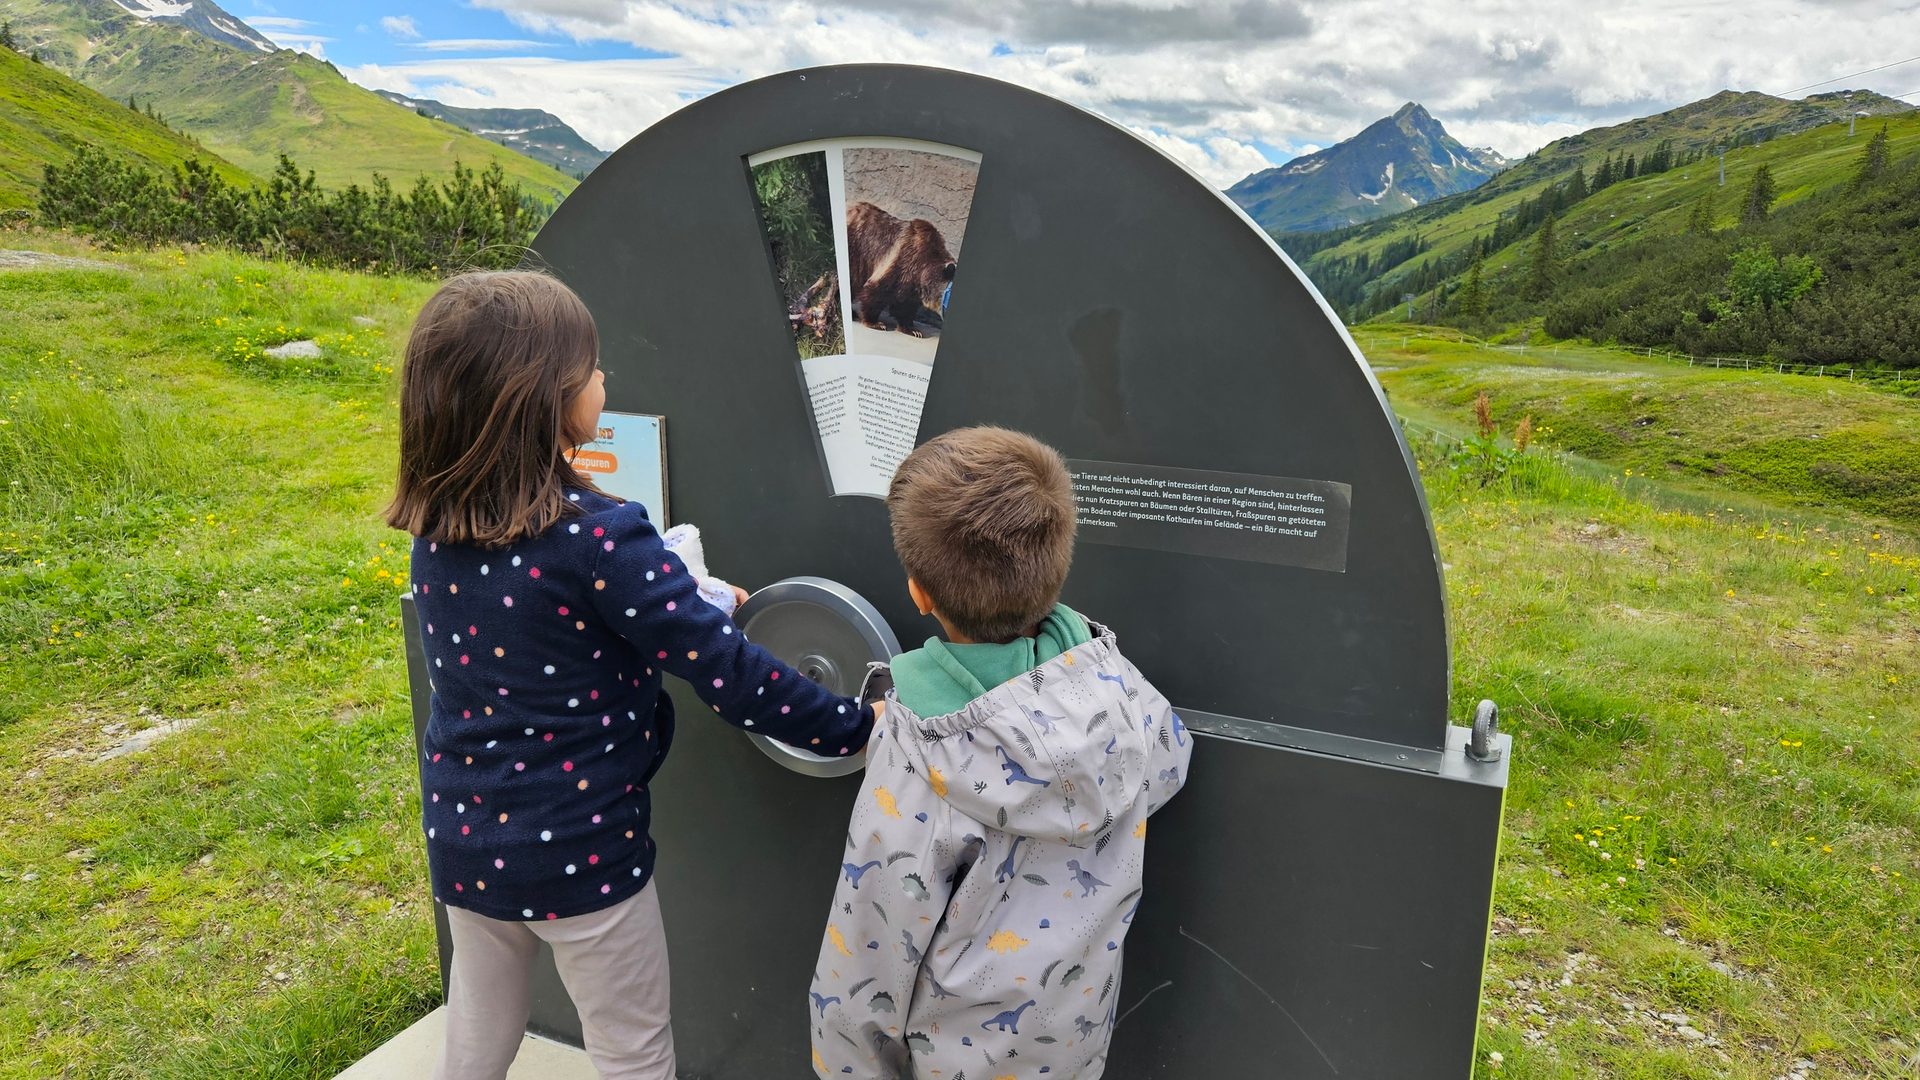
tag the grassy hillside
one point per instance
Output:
(1815, 158)
(1808, 442)
(47, 117)
(251, 107)
(1714, 816)
(189, 539)
(1727, 119)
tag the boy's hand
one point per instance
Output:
(873, 690)
(739, 597)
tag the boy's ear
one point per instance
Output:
(921, 600)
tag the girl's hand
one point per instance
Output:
(739, 597)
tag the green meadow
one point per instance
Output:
(1702, 629)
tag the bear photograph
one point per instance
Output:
(906, 220)
(796, 216)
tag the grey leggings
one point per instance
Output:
(614, 965)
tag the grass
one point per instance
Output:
(190, 540)
(183, 517)
(45, 118)
(1812, 442)
(1658, 204)
(252, 107)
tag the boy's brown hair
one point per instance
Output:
(983, 520)
(493, 366)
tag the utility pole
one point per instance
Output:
(1723, 166)
(1408, 297)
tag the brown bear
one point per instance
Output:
(901, 267)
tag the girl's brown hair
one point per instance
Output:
(492, 369)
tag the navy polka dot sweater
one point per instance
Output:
(548, 714)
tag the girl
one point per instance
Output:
(550, 612)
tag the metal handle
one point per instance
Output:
(827, 632)
(1486, 724)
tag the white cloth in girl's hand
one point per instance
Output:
(684, 541)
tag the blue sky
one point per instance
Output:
(1226, 86)
(356, 32)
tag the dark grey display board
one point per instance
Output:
(1254, 532)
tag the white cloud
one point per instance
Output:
(314, 45)
(1208, 80)
(606, 101)
(478, 44)
(399, 26)
(264, 23)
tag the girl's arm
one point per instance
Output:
(647, 595)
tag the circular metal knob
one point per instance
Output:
(1486, 724)
(825, 631)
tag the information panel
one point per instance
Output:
(628, 458)
(865, 238)
(1225, 515)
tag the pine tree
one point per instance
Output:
(1627, 172)
(1874, 159)
(1471, 304)
(1544, 271)
(1604, 178)
(1760, 195)
(6, 35)
(1577, 184)
(1700, 218)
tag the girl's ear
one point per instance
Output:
(920, 598)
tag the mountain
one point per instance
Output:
(1397, 163)
(1365, 269)
(203, 17)
(1728, 119)
(249, 105)
(534, 132)
(46, 118)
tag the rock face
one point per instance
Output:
(909, 184)
(41, 260)
(203, 17)
(536, 133)
(1397, 163)
(295, 350)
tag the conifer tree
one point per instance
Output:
(1577, 184)
(1874, 159)
(1472, 301)
(1760, 195)
(1627, 172)
(6, 35)
(1544, 271)
(1700, 218)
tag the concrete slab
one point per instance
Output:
(412, 1054)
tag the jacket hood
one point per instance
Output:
(1057, 754)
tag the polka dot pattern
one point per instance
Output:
(542, 739)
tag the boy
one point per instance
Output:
(994, 860)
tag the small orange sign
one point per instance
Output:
(595, 461)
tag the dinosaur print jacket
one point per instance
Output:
(993, 867)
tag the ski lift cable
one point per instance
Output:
(1855, 75)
